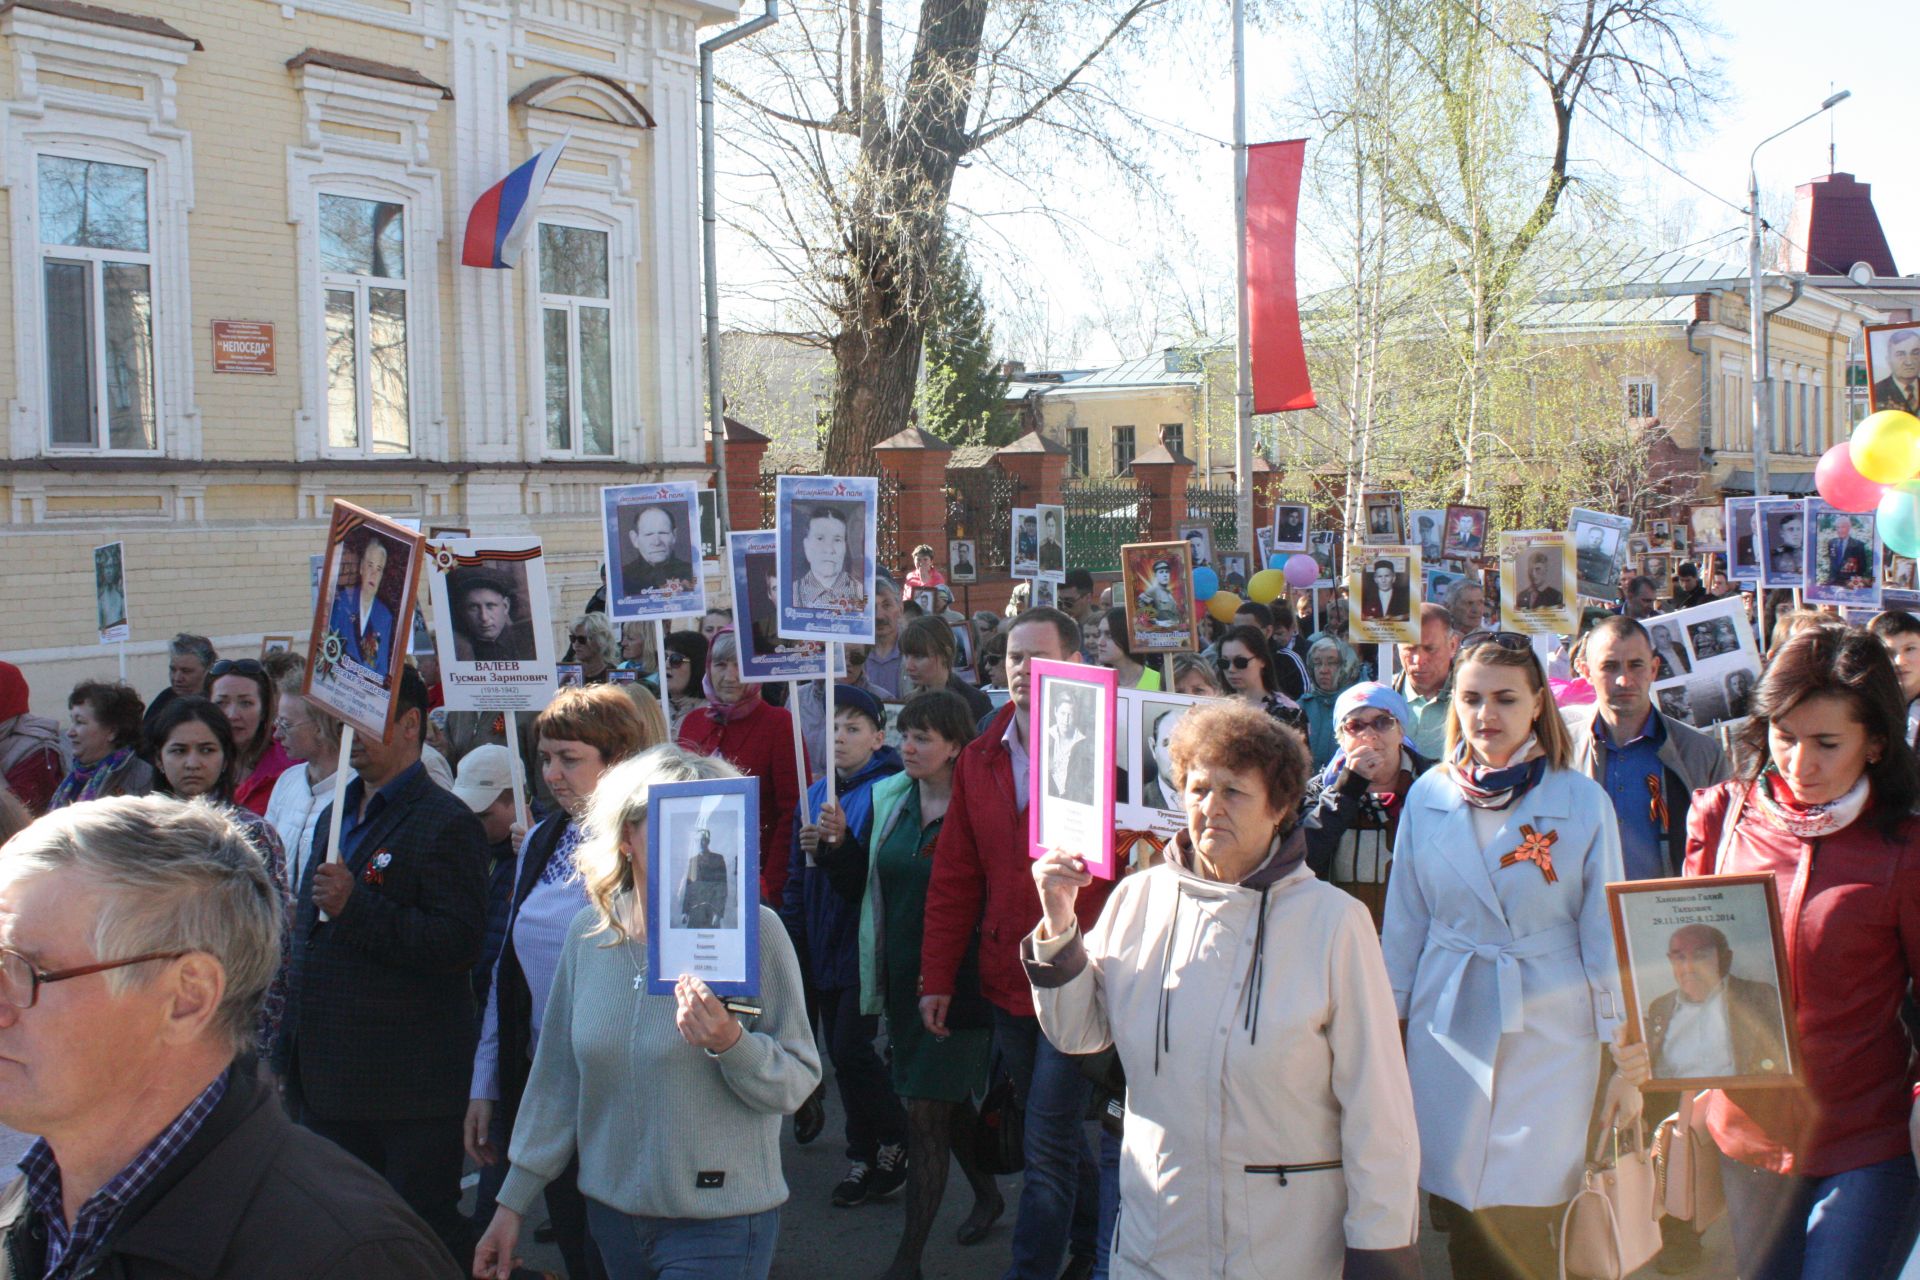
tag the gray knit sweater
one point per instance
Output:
(653, 1118)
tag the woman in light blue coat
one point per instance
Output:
(1501, 958)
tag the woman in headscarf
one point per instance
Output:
(741, 727)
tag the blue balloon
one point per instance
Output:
(1278, 560)
(1899, 518)
(1205, 583)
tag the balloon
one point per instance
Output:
(1302, 570)
(1843, 486)
(1899, 518)
(1886, 446)
(1222, 605)
(1205, 583)
(1265, 585)
(1278, 560)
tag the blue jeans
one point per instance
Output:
(1847, 1226)
(1109, 1201)
(737, 1248)
(1060, 1192)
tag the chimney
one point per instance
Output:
(1013, 370)
(1833, 227)
(1175, 360)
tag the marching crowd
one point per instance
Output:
(1377, 961)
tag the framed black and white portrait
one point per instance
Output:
(703, 877)
(491, 615)
(1289, 528)
(1071, 781)
(110, 591)
(652, 551)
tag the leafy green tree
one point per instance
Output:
(962, 393)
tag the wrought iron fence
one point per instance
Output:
(1220, 504)
(980, 503)
(1102, 518)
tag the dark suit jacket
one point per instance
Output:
(1845, 560)
(1079, 773)
(637, 575)
(251, 1197)
(1398, 607)
(1753, 1017)
(1050, 557)
(1545, 598)
(1886, 395)
(380, 1024)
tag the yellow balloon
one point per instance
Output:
(1221, 605)
(1886, 447)
(1265, 585)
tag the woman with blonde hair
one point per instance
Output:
(581, 734)
(1500, 950)
(590, 643)
(651, 1097)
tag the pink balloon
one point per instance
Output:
(1843, 486)
(1302, 570)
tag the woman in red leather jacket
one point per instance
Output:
(1820, 1179)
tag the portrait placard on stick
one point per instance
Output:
(1384, 525)
(1149, 718)
(962, 568)
(652, 543)
(1071, 784)
(1708, 527)
(1893, 367)
(1156, 587)
(1706, 662)
(1743, 547)
(1466, 536)
(1289, 528)
(1427, 529)
(1024, 555)
(492, 629)
(1783, 538)
(1326, 547)
(1536, 583)
(764, 656)
(1703, 962)
(703, 876)
(1899, 581)
(1842, 557)
(1600, 551)
(1199, 536)
(1053, 542)
(1387, 584)
(367, 585)
(828, 530)
(110, 592)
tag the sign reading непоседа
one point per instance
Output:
(242, 346)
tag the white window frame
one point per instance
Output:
(89, 92)
(619, 332)
(1627, 386)
(367, 138)
(361, 286)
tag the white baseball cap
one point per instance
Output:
(484, 773)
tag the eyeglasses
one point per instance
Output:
(1238, 664)
(1371, 724)
(17, 974)
(236, 666)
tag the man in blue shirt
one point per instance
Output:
(1650, 765)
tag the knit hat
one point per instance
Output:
(847, 697)
(13, 692)
(1380, 697)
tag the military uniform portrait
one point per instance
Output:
(490, 615)
(1893, 367)
(1156, 588)
(1702, 963)
(355, 652)
(1465, 536)
(653, 551)
(702, 899)
(1052, 555)
(827, 527)
(1783, 538)
(1289, 527)
(492, 623)
(1599, 551)
(1842, 563)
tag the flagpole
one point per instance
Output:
(1243, 359)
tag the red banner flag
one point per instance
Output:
(1280, 379)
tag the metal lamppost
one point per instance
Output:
(1756, 314)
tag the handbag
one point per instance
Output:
(1000, 1142)
(1612, 1224)
(1686, 1167)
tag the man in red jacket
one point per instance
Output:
(982, 879)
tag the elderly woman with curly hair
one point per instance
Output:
(105, 737)
(1268, 1110)
(591, 643)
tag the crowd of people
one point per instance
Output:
(1371, 982)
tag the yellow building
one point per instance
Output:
(232, 255)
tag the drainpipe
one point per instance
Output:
(1706, 390)
(710, 254)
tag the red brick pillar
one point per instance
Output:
(1163, 476)
(918, 460)
(745, 449)
(1038, 465)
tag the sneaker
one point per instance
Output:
(889, 1171)
(811, 1118)
(853, 1188)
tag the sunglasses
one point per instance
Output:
(1370, 724)
(236, 666)
(1512, 641)
(1238, 664)
(676, 659)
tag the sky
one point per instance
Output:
(1111, 275)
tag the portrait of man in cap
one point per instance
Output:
(491, 622)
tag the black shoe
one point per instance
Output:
(1079, 1267)
(811, 1118)
(853, 1188)
(889, 1171)
(981, 1220)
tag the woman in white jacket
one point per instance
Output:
(1501, 955)
(1269, 1125)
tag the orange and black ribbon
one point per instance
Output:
(1537, 848)
(1658, 809)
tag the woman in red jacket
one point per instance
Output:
(756, 737)
(1820, 1179)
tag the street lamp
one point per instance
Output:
(1756, 315)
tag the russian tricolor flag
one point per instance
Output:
(503, 217)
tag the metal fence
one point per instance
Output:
(980, 503)
(1220, 504)
(1102, 518)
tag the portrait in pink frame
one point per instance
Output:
(1070, 760)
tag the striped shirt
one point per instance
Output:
(68, 1247)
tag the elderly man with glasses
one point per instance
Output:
(1353, 808)
(137, 938)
